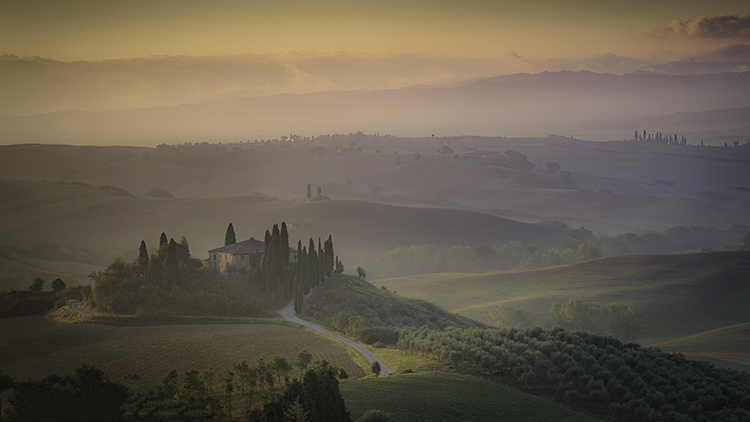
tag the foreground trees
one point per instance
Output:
(264, 388)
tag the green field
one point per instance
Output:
(679, 294)
(34, 347)
(729, 343)
(437, 397)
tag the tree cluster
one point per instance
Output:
(35, 300)
(428, 258)
(171, 280)
(621, 381)
(659, 138)
(673, 239)
(265, 390)
(279, 275)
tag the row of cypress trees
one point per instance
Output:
(278, 274)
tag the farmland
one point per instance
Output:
(679, 294)
(34, 347)
(439, 397)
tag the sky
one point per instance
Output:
(113, 55)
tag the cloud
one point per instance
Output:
(32, 85)
(717, 26)
(732, 58)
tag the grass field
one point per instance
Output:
(33, 347)
(729, 343)
(437, 397)
(680, 294)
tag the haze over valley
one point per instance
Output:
(318, 212)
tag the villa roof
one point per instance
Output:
(246, 247)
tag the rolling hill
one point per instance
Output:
(679, 294)
(730, 344)
(97, 218)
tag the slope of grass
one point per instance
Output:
(437, 397)
(33, 348)
(729, 343)
(679, 294)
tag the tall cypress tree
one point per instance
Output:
(143, 255)
(266, 267)
(312, 257)
(328, 249)
(163, 239)
(304, 271)
(172, 265)
(276, 258)
(284, 244)
(230, 238)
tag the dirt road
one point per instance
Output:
(288, 314)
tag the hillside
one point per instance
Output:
(440, 397)
(616, 190)
(34, 347)
(678, 294)
(98, 219)
(728, 344)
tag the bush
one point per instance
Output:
(376, 416)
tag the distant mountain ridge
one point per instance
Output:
(513, 105)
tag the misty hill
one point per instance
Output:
(106, 221)
(514, 105)
(616, 180)
(678, 294)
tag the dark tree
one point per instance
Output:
(6, 383)
(37, 285)
(58, 285)
(375, 368)
(143, 255)
(328, 256)
(552, 166)
(361, 273)
(309, 191)
(88, 395)
(163, 239)
(320, 191)
(172, 263)
(284, 245)
(230, 238)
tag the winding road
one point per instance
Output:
(288, 314)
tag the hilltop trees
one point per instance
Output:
(618, 319)
(294, 279)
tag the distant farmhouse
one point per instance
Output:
(239, 254)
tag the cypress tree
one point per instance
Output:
(304, 271)
(163, 239)
(298, 298)
(143, 255)
(275, 256)
(267, 267)
(309, 191)
(172, 264)
(328, 256)
(284, 244)
(230, 238)
(312, 257)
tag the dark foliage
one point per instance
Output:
(599, 374)
(88, 395)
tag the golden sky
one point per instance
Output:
(136, 53)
